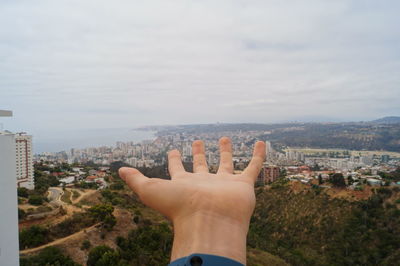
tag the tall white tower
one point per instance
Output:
(9, 249)
(24, 160)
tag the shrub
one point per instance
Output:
(386, 192)
(117, 186)
(147, 245)
(33, 236)
(104, 214)
(50, 256)
(337, 180)
(35, 200)
(85, 244)
(102, 256)
(23, 192)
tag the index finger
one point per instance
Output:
(256, 163)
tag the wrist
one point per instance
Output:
(210, 233)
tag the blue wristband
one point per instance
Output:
(197, 259)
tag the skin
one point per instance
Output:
(210, 212)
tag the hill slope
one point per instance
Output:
(311, 228)
(388, 120)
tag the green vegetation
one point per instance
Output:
(36, 235)
(44, 181)
(392, 176)
(117, 185)
(104, 214)
(36, 199)
(23, 192)
(85, 185)
(71, 225)
(337, 180)
(50, 256)
(310, 228)
(119, 198)
(33, 236)
(147, 245)
(86, 244)
(103, 256)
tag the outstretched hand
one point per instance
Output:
(210, 212)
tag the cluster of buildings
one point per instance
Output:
(78, 174)
(291, 163)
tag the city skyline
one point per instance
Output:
(101, 65)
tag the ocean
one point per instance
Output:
(79, 139)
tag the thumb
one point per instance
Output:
(133, 178)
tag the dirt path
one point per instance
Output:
(82, 194)
(76, 235)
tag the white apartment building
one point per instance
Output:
(24, 160)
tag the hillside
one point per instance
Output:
(293, 224)
(351, 136)
(140, 237)
(387, 120)
(308, 227)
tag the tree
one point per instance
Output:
(102, 256)
(101, 211)
(32, 236)
(337, 180)
(104, 213)
(23, 192)
(109, 222)
(320, 181)
(35, 200)
(147, 245)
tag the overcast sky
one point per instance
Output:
(109, 64)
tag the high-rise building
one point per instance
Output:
(385, 158)
(24, 160)
(271, 173)
(268, 174)
(268, 150)
(9, 250)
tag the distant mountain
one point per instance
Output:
(388, 120)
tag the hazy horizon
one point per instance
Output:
(96, 137)
(71, 66)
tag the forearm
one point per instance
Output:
(209, 233)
